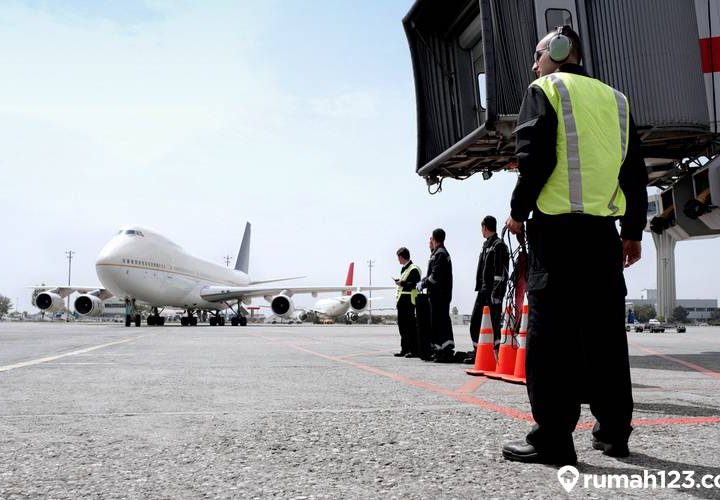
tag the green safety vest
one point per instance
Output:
(413, 293)
(592, 142)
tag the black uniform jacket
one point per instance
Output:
(536, 136)
(492, 270)
(439, 275)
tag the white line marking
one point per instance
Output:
(72, 353)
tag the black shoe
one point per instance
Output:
(521, 451)
(444, 357)
(411, 355)
(400, 354)
(470, 358)
(617, 450)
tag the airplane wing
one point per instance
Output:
(274, 280)
(222, 293)
(64, 291)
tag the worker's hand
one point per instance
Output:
(515, 227)
(631, 252)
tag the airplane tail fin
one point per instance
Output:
(349, 279)
(243, 259)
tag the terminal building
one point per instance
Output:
(698, 309)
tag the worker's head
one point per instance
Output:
(437, 239)
(560, 46)
(488, 226)
(403, 255)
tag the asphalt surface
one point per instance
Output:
(104, 411)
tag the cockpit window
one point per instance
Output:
(134, 232)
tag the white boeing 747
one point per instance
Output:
(140, 265)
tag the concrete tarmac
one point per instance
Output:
(104, 411)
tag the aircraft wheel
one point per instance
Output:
(234, 321)
(213, 321)
(151, 320)
(184, 321)
(138, 320)
(242, 321)
(161, 320)
(221, 321)
(193, 321)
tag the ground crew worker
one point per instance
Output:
(439, 285)
(405, 300)
(580, 170)
(490, 283)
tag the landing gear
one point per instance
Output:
(189, 319)
(138, 320)
(155, 319)
(239, 318)
(217, 320)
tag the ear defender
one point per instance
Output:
(559, 46)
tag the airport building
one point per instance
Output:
(698, 309)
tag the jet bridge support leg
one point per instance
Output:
(665, 249)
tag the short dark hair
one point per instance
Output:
(490, 223)
(576, 48)
(404, 253)
(439, 235)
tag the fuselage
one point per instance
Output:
(138, 263)
(334, 307)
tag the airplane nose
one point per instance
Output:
(110, 254)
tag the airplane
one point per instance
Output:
(348, 305)
(140, 265)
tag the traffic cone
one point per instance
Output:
(508, 350)
(485, 354)
(518, 376)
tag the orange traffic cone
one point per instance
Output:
(485, 354)
(518, 376)
(508, 349)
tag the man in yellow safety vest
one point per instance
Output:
(580, 172)
(405, 299)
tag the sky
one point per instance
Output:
(192, 118)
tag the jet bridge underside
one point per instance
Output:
(472, 64)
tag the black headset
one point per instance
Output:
(559, 46)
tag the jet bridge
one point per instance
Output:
(472, 63)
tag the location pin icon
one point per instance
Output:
(568, 477)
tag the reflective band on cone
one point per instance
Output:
(518, 377)
(485, 354)
(508, 350)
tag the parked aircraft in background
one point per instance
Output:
(349, 305)
(140, 265)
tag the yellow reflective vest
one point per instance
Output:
(592, 142)
(413, 293)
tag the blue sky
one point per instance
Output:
(193, 117)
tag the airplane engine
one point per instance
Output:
(358, 301)
(49, 302)
(301, 316)
(352, 316)
(89, 305)
(282, 306)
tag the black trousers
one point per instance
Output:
(440, 323)
(407, 325)
(577, 346)
(482, 300)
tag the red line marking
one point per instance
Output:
(460, 394)
(692, 366)
(471, 385)
(465, 398)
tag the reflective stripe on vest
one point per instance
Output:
(592, 142)
(413, 293)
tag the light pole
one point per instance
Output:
(69, 254)
(370, 266)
